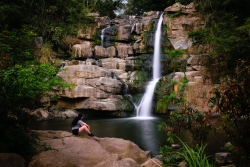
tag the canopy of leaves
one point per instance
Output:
(109, 7)
(138, 7)
(23, 80)
(226, 30)
(21, 88)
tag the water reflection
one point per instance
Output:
(141, 131)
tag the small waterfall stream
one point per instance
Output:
(145, 106)
(103, 35)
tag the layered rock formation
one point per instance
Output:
(109, 54)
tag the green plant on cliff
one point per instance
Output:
(140, 62)
(177, 63)
(176, 14)
(140, 78)
(166, 96)
(223, 32)
(185, 118)
(163, 95)
(176, 53)
(231, 100)
(138, 7)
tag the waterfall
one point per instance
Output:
(145, 106)
(103, 35)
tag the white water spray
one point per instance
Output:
(103, 35)
(144, 108)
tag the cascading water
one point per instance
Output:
(144, 108)
(103, 35)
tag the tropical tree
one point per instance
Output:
(231, 101)
(109, 7)
(138, 7)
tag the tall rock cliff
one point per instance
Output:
(117, 53)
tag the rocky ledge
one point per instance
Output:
(84, 151)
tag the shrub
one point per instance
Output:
(194, 157)
(231, 101)
(190, 119)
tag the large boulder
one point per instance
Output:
(101, 52)
(124, 50)
(83, 50)
(11, 160)
(87, 151)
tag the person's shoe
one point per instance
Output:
(91, 134)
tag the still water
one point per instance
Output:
(142, 131)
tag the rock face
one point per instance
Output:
(111, 55)
(100, 72)
(83, 151)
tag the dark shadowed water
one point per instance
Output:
(143, 132)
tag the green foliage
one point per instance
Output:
(226, 31)
(145, 41)
(140, 78)
(174, 15)
(53, 99)
(163, 89)
(166, 97)
(200, 36)
(15, 46)
(141, 62)
(136, 98)
(151, 26)
(23, 80)
(109, 7)
(195, 158)
(177, 63)
(231, 100)
(21, 88)
(138, 7)
(170, 157)
(187, 118)
(125, 105)
(176, 53)
(29, 83)
(165, 27)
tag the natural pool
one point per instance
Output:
(142, 131)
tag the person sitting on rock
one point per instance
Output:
(78, 126)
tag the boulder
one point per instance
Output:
(114, 63)
(53, 158)
(11, 160)
(83, 50)
(124, 33)
(70, 74)
(40, 113)
(101, 52)
(124, 50)
(152, 162)
(108, 104)
(105, 84)
(87, 151)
